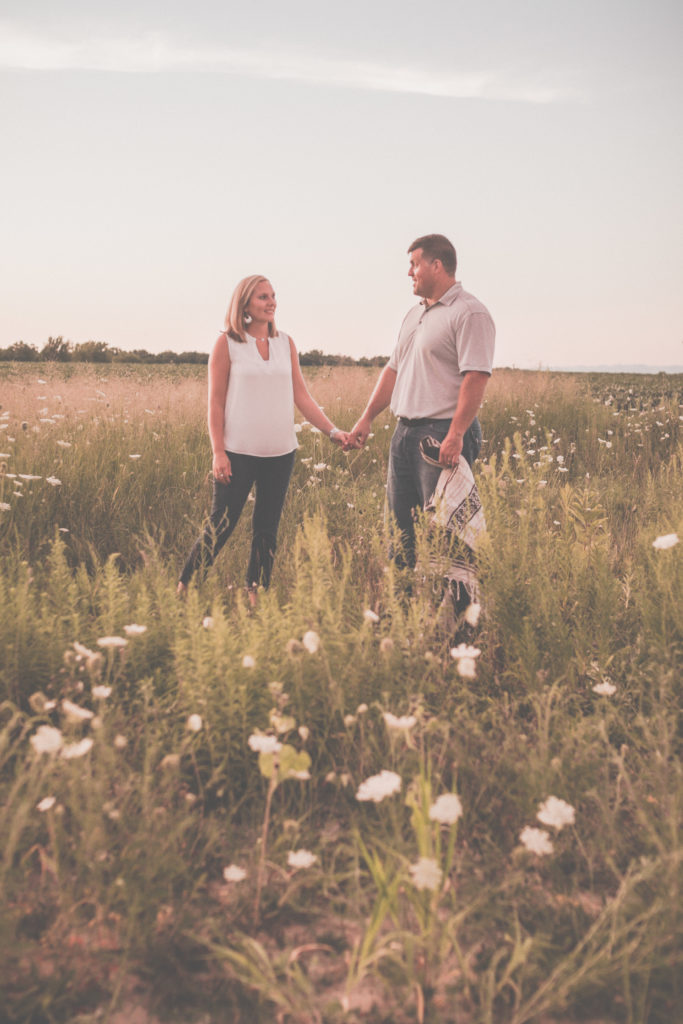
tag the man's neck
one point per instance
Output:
(439, 291)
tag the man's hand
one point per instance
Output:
(451, 447)
(359, 433)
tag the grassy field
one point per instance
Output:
(314, 812)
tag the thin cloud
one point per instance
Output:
(153, 54)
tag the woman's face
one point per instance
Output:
(262, 305)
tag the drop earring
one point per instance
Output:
(246, 318)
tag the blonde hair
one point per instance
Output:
(241, 297)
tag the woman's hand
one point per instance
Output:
(343, 439)
(222, 470)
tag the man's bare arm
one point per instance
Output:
(469, 400)
(379, 400)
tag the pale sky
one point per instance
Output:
(156, 153)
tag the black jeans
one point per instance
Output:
(271, 475)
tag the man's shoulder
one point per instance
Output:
(465, 303)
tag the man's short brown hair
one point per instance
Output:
(437, 247)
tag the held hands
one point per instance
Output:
(343, 439)
(222, 470)
(358, 434)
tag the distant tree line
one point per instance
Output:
(58, 350)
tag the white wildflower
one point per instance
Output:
(668, 540)
(120, 742)
(301, 859)
(46, 739)
(320, 466)
(53, 481)
(134, 630)
(75, 713)
(386, 645)
(112, 641)
(248, 661)
(349, 721)
(79, 749)
(377, 787)
(101, 692)
(361, 709)
(536, 840)
(82, 651)
(556, 812)
(233, 873)
(472, 613)
(467, 668)
(194, 723)
(311, 641)
(426, 874)
(262, 744)
(464, 651)
(370, 616)
(207, 622)
(5, 507)
(605, 688)
(446, 809)
(135, 456)
(46, 803)
(403, 724)
(64, 444)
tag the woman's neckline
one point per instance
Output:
(266, 358)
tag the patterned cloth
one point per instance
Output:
(455, 503)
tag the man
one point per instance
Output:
(434, 382)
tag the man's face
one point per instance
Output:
(422, 272)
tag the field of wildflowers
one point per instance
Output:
(339, 807)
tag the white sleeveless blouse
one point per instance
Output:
(259, 405)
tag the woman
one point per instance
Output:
(254, 383)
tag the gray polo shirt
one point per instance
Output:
(436, 346)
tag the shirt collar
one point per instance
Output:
(448, 297)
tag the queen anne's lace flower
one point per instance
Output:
(467, 668)
(46, 740)
(556, 812)
(75, 713)
(464, 651)
(403, 724)
(605, 688)
(134, 629)
(377, 787)
(46, 803)
(248, 661)
(370, 616)
(301, 859)
(311, 641)
(667, 540)
(112, 641)
(262, 744)
(536, 840)
(472, 613)
(79, 749)
(233, 873)
(446, 809)
(426, 874)
(194, 723)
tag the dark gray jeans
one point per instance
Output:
(411, 480)
(271, 477)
